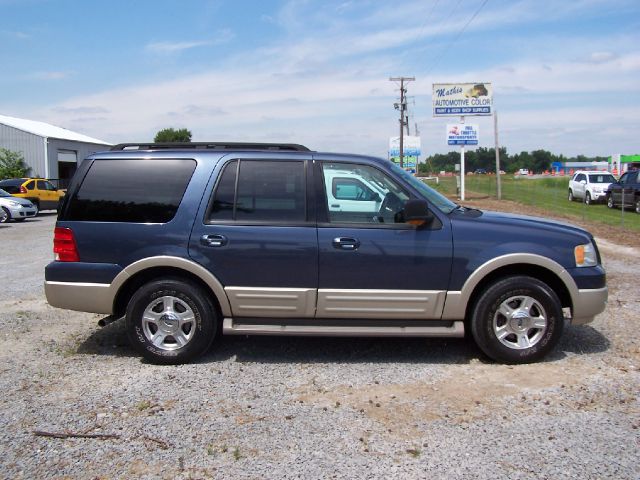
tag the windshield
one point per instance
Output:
(436, 198)
(605, 178)
(4, 194)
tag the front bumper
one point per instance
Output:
(587, 304)
(22, 212)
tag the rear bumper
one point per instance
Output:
(83, 297)
(588, 303)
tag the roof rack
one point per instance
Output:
(211, 146)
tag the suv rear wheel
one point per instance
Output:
(517, 320)
(171, 321)
(587, 198)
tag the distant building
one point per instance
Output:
(51, 152)
(622, 163)
(570, 167)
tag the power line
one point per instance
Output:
(446, 49)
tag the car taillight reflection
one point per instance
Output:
(64, 245)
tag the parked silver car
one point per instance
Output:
(14, 208)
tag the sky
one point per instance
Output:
(565, 74)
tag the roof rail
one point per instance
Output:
(211, 146)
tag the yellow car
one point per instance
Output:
(41, 192)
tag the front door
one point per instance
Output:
(258, 237)
(372, 266)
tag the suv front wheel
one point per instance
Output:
(610, 203)
(170, 321)
(517, 320)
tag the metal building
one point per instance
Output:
(51, 152)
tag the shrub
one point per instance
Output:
(12, 164)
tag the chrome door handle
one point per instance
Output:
(346, 243)
(213, 240)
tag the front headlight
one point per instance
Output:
(585, 255)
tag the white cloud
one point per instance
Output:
(49, 75)
(172, 47)
(163, 48)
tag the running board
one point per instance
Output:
(340, 328)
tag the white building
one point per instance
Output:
(51, 152)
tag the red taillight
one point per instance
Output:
(64, 245)
(22, 189)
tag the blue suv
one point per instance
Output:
(192, 241)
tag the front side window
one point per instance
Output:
(136, 191)
(352, 189)
(362, 194)
(30, 185)
(260, 191)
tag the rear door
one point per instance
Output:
(257, 235)
(372, 266)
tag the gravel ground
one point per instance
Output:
(260, 407)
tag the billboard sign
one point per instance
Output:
(462, 134)
(461, 99)
(410, 149)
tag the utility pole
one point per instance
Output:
(402, 107)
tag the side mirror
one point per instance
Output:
(416, 212)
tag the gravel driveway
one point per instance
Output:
(261, 407)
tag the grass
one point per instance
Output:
(548, 194)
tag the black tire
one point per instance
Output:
(610, 203)
(587, 198)
(531, 340)
(5, 215)
(36, 203)
(571, 198)
(158, 308)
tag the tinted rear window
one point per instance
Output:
(137, 191)
(12, 185)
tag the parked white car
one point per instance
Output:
(590, 186)
(14, 208)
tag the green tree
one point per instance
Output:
(12, 164)
(172, 135)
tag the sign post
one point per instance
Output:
(461, 99)
(462, 134)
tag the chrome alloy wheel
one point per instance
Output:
(520, 322)
(169, 323)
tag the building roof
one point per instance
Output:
(47, 130)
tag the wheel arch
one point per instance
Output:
(460, 304)
(535, 271)
(144, 271)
